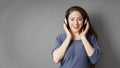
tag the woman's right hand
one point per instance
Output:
(67, 31)
(59, 53)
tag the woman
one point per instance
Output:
(77, 47)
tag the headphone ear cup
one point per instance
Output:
(65, 21)
(85, 21)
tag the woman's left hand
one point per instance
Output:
(84, 31)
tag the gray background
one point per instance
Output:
(28, 29)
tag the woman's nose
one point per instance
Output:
(76, 22)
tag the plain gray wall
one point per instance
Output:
(28, 29)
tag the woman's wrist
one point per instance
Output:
(69, 37)
(83, 37)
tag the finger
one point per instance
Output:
(82, 30)
(87, 26)
(65, 26)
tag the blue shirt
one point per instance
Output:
(76, 56)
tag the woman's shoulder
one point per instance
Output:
(61, 36)
(91, 37)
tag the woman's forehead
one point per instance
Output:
(75, 14)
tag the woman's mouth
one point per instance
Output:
(75, 27)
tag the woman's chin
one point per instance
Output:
(75, 30)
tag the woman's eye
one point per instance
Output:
(80, 19)
(72, 19)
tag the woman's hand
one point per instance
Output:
(88, 47)
(67, 31)
(84, 31)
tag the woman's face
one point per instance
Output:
(75, 20)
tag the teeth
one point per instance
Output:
(75, 26)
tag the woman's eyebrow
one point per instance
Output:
(72, 17)
(80, 17)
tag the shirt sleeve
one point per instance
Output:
(97, 52)
(58, 42)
